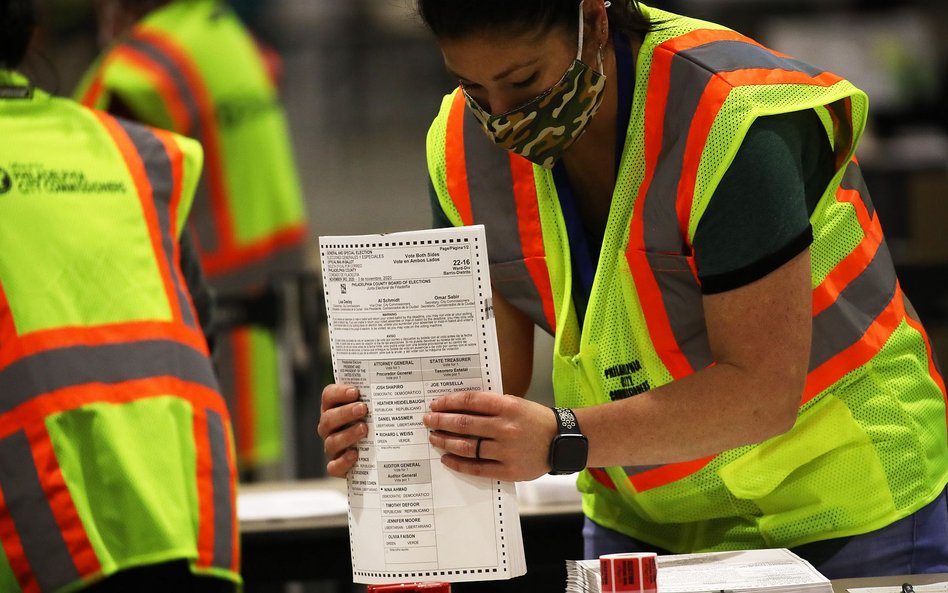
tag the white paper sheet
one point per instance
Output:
(283, 505)
(410, 318)
(775, 570)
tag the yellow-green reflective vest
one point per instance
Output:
(192, 67)
(115, 444)
(869, 444)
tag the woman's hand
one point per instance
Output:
(514, 434)
(341, 426)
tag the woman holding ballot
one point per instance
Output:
(735, 365)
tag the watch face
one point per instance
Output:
(568, 453)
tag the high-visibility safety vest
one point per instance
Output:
(191, 67)
(869, 444)
(115, 443)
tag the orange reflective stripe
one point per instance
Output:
(602, 477)
(208, 130)
(858, 353)
(667, 474)
(224, 261)
(645, 284)
(455, 164)
(176, 158)
(13, 548)
(644, 253)
(42, 340)
(762, 76)
(531, 233)
(245, 412)
(162, 82)
(205, 489)
(93, 92)
(216, 476)
(7, 327)
(182, 89)
(714, 95)
(146, 197)
(716, 92)
(70, 398)
(92, 95)
(60, 500)
(704, 36)
(856, 262)
(210, 479)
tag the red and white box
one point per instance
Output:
(633, 571)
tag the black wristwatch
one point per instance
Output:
(569, 448)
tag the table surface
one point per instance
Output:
(558, 525)
(317, 548)
(340, 520)
(843, 585)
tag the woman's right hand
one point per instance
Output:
(341, 425)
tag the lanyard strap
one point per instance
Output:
(583, 252)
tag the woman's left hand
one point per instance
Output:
(492, 435)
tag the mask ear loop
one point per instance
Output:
(582, 27)
(605, 4)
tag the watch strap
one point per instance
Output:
(566, 422)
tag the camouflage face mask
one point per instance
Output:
(543, 128)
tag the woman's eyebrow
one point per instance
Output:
(503, 74)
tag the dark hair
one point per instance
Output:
(16, 28)
(139, 8)
(454, 19)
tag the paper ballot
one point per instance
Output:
(410, 318)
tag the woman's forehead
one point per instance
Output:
(494, 52)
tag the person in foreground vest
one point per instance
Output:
(190, 66)
(117, 467)
(735, 364)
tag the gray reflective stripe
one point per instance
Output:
(50, 370)
(631, 470)
(730, 55)
(177, 77)
(256, 274)
(690, 72)
(223, 494)
(853, 180)
(681, 293)
(490, 184)
(513, 281)
(158, 169)
(494, 204)
(224, 365)
(201, 217)
(845, 322)
(45, 549)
